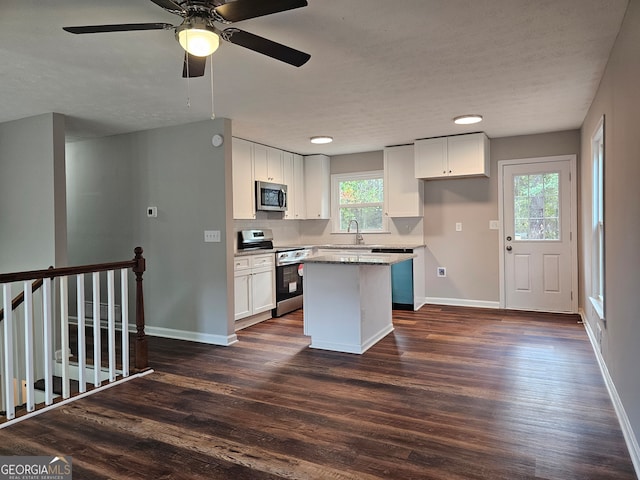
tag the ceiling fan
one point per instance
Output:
(199, 36)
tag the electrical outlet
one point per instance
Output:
(442, 272)
(458, 226)
(211, 236)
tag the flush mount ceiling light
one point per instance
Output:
(199, 39)
(321, 139)
(467, 119)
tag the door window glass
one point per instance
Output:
(536, 206)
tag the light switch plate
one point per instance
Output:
(441, 272)
(152, 212)
(458, 226)
(211, 236)
(494, 224)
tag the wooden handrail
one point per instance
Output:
(137, 265)
(65, 271)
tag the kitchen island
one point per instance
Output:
(347, 299)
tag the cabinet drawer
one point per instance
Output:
(241, 263)
(258, 261)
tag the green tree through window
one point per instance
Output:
(536, 206)
(360, 197)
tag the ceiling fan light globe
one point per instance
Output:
(198, 42)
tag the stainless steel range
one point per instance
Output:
(289, 272)
(289, 268)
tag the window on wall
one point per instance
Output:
(597, 260)
(536, 206)
(360, 197)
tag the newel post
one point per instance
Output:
(140, 346)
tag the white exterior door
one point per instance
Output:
(538, 260)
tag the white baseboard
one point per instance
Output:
(627, 430)
(462, 302)
(174, 333)
(190, 336)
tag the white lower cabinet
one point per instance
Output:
(254, 284)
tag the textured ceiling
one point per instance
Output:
(381, 72)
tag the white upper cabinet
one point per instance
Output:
(456, 156)
(243, 186)
(289, 181)
(299, 200)
(403, 193)
(267, 164)
(317, 186)
(293, 175)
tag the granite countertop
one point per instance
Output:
(328, 246)
(360, 258)
(365, 246)
(255, 251)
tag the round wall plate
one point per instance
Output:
(217, 140)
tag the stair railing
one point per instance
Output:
(18, 340)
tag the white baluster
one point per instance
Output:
(111, 325)
(82, 351)
(9, 400)
(64, 335)
(124, 310)
(28, 344)
(97, 348)
(47, 333)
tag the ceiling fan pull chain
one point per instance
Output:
(213, 115)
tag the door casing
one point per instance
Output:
(573, 219)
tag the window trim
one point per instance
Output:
(598, 287)
(336, 178)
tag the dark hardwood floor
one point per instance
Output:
(452, 393)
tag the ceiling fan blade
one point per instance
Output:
(266, 47)
(122, 27)
(193, 66)
(170, 7)
(245, 9)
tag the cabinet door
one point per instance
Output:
(403, 193)
(317, 185)
(242, 173)
(242, 294)
(262, 285)
(466, 155)
(431, 157)
(260, 168)
(289, 180)
(298, 181)
(274, 165)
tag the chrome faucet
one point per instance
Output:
(359, 239)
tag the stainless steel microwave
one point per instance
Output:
(271, 197)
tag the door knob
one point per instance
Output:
(509, 248)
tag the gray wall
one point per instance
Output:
(100, 194)
(618, 98)
(113, 180)
(33, 217)
(471, 256)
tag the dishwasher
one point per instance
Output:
(401, 279)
